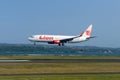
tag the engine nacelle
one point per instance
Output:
(54, 42)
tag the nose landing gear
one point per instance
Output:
(34, 43)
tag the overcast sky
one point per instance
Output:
(20, 19)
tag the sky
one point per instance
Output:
(20, 19)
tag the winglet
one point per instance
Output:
(87, 32)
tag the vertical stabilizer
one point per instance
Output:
(87, 32)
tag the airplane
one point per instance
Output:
(61, 39)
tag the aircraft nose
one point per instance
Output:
(30, 38)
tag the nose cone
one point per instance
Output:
(30, 38)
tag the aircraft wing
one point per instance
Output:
(68, 39)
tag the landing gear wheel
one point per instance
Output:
(61, 44)
(34, 43)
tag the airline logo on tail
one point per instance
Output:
(87, 32)
(60, 39)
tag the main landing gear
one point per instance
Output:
(61, 44)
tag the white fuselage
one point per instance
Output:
(61, 39)
(49, 38)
